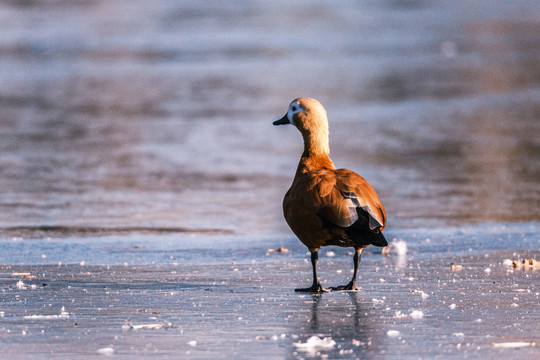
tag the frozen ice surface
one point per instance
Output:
(198, 297)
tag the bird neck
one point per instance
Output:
(316, 143)
(316, 153)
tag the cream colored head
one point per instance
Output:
(308, 116)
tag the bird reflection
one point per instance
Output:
(343, 316)
(333, 311)
(315, 313)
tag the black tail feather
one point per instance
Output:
(381, 240)
(366, 237)
(359, 232)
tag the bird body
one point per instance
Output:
(324, 205)
(332, 207)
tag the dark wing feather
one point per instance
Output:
(345, 197)
(348, 201)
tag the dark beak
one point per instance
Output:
(282, 121)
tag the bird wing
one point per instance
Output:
(345, 198)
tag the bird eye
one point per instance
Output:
(293, 108)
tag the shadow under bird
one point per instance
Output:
(324, 205)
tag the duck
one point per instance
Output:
(326, 206)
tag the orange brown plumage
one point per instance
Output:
(324, 205)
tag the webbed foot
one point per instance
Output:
(315, 288)
(349, 287)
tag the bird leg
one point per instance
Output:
(316, 287)
(351, 286)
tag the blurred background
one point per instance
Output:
(159, 113)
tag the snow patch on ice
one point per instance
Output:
(128, 325)
(514, 345)
(63, 315)
(315, 342)
(397, 246)
(107, 351)
(508, 263)
(422, 293)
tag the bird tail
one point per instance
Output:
(379, 239)
(359, 232)
(367, 237)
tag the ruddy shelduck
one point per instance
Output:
(324, 205)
